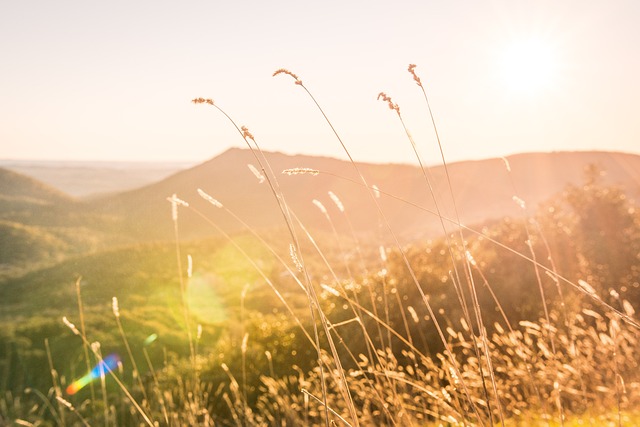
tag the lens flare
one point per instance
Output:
(106, 365)
(150, 339)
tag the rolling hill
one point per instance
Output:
(40, 225)
(17, 187)
(482, 189)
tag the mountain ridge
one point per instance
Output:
(482, 189)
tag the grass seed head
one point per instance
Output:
(65, 403)
(175, 202)
(245, 340)
(412, 71)
(301, 171)
(470, 258)
(376, 191)
(628, 308)
(257, 173)
(414, 314)
(506, 163)
(519, 202)
(246, 134)
(289, 73)
(70, 325)
(587, 287)
(320, 206)
(209, 199)
(383, 253)
(392, 106)
(203, 101)
(294, 257)
(115, 307)
(337, 201)
(330, 290)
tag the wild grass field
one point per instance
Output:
(526, 320)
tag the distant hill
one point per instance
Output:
(86, 178)
(28, 201)
(482, 189)
(40, 225)
(17, 186)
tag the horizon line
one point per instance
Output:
(194, 162)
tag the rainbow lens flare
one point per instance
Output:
(106, 365)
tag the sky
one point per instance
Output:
(88, 80)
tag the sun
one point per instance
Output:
(528, 66)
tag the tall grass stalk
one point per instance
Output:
(355, 308)
(324, 321)
(619, 382)
(402, 252)
(175, 203)
(95, 348)
(343, 254)
(336, 200)
(351, 283)
(54, 379)
(136, 372)
(258, 269)
(507, 322)
(313, 299)
(246, 136)
(536, 270)
(243, 347)
(56, 415)
(281, 261)
(457, 222)
(85, 347)
(156, 384)
(307, 393)
(456, 283)
(69, 406)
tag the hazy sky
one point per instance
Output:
(112, 80)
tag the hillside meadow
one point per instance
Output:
(310, 291)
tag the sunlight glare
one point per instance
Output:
(528, 66)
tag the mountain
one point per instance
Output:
(482, 190)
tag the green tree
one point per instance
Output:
(603, 228)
